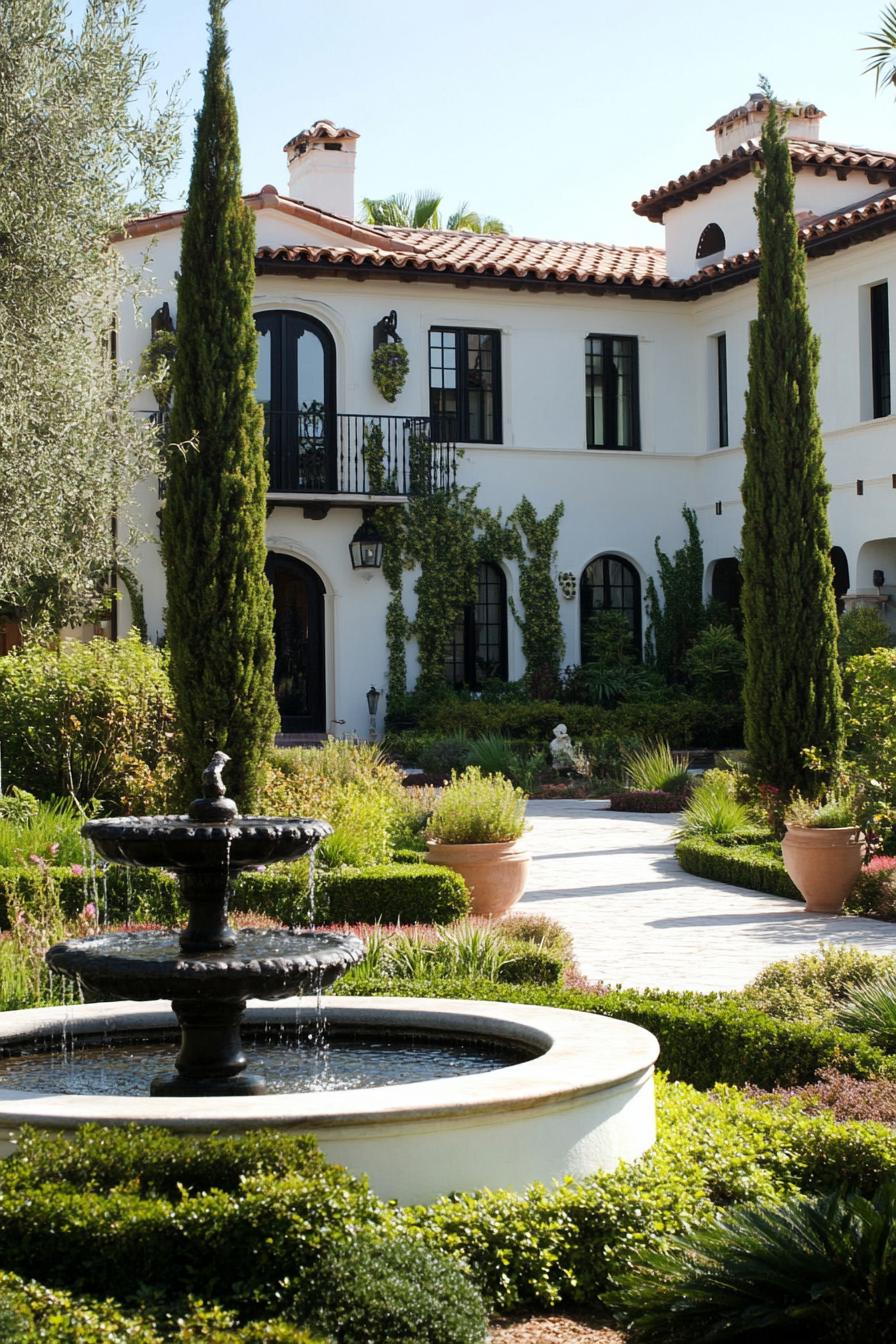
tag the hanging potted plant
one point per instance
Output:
(476, 829)
(823, 850)
(389, 366)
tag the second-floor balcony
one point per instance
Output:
(316, 452)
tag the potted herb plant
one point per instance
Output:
(476, 829)
(823, 849)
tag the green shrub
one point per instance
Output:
(91, 719)
(393, 893)
(714, 664)
(822, 1267)
(704, 1039)
(758, 866)
(442, 755)
(812, 987)
(654, 768)
(871, 718)
(713, 810)
(862, 631)
(393, 1292)
(477, 809)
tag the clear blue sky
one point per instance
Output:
(552, 114)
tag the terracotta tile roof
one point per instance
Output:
(322, 130)
(757, 102)
(824, 156)
(478, 254)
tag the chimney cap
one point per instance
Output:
(321, 130)
(758, 103)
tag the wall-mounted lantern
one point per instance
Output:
(386, 330)
(373, 701)
(366, 546)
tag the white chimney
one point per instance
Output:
(322, 168)
(746, 122)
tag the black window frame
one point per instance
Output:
(461, 654)
(722, 389)
(458, 424)
(879, 304)
(300, 445)
(610, 400)
(587, 607)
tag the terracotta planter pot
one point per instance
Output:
(823, 864)
(495, 873)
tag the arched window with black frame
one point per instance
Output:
(610, 583)
(478, 650)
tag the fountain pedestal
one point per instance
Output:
(211, 1061)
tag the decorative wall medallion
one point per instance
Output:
(566, 581)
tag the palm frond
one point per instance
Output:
(882, 52)
(425, 213)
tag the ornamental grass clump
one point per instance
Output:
(478, 809)
(714, 810)
(871, 1008)
(656, 768)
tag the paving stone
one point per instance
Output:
(638, 920)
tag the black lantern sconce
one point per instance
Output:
(366, 546)
(386, 330)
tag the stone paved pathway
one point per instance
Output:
(638, 920)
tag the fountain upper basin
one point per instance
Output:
(583, 1104)
(184, 845)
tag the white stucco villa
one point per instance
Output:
(611, 378)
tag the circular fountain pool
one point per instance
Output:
(579, 1100)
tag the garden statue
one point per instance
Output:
(563, 754)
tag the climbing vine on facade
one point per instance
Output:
(676, 618)
(534, 548)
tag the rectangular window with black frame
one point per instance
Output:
(465, 385)
(880, 350)
(611, 392)
(722, 389)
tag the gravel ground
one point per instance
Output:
(555, 1330)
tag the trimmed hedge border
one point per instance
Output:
(754, 866)
(704, 1039)
(420, 893)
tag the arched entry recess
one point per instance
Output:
(299, 663)
(611, 583)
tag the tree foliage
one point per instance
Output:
(676, 621)
(423, 211)
(220, 608)
(84, 144)
(792, 691)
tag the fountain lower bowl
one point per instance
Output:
(584, 1103)
(263, 964)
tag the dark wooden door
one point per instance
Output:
(296, 384)
(299, 663)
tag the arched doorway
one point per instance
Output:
(295, 382)
(478, 650)
(299, 644)
(610, 583)
(841, 577)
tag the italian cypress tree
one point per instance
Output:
(220, 607)
(792, 695)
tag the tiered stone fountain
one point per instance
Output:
(208, 971)
(556, 1093)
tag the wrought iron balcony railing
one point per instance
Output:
(316, 452)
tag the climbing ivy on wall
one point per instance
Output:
(534, 548)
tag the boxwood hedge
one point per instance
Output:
(758, 866)
(704, 1039)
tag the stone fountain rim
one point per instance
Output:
(184, 826)
(582, 1054)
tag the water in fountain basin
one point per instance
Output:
(119, 1067)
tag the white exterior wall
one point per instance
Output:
(614, 501)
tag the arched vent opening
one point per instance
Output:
(712, 240)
